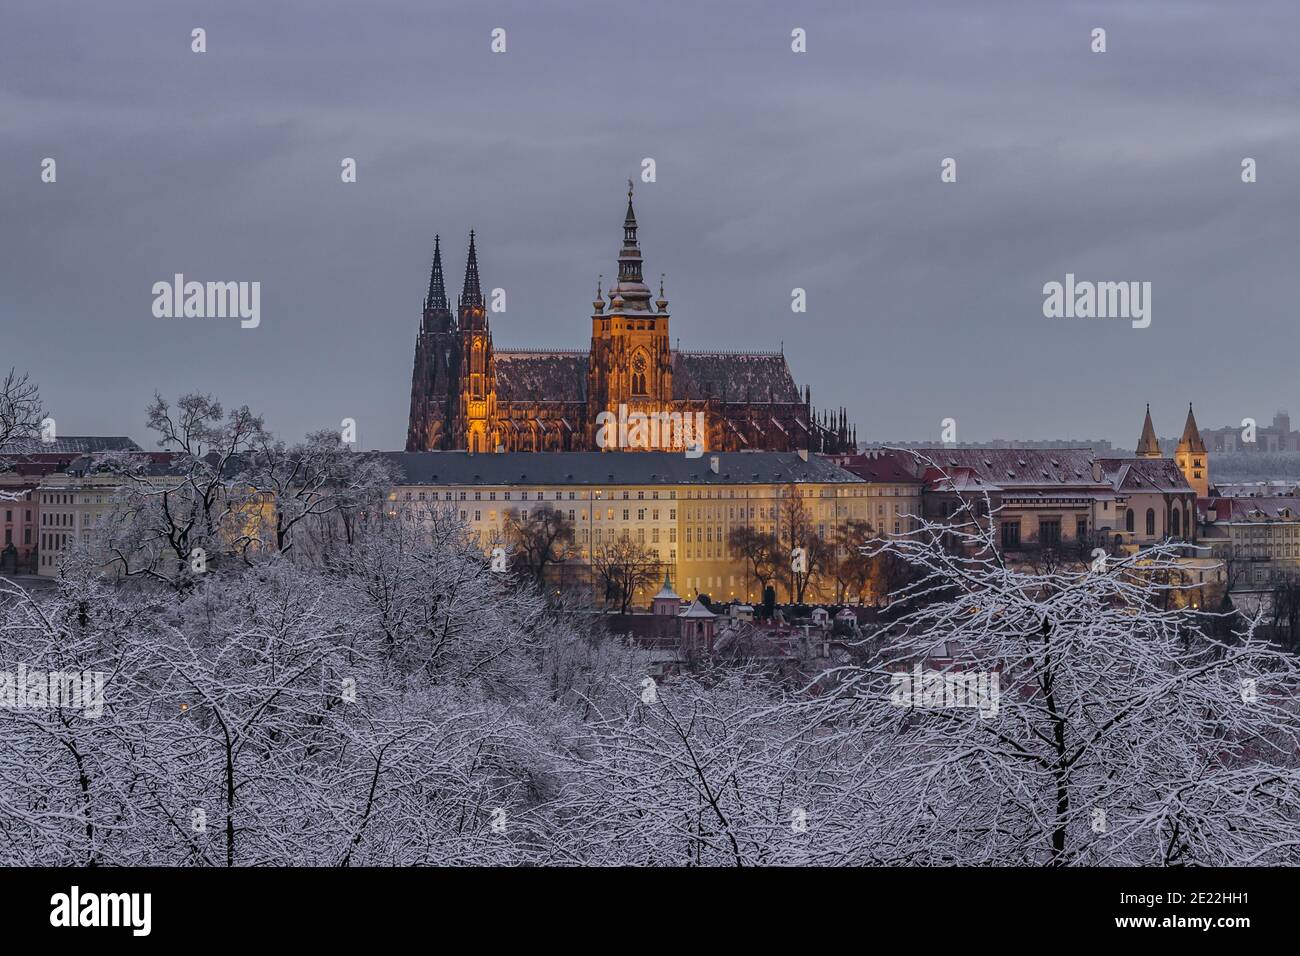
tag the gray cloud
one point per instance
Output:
(775, 171)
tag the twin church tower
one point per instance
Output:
(1190, 455)
(468, 395)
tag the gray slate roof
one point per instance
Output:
(611, 468)
(734, 377)
(541, 376)
(1014, 469)
(71, 444)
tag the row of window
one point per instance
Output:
(691, 493)
(523, 496)
(1049, 532)
(1285, 531)
(51, 498)
(1049, 529)
(1175, 522)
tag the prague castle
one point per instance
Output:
(468, 395)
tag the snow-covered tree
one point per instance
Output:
(1073, 716)
(381, 693)
(20, 421)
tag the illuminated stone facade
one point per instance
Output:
(467, 395)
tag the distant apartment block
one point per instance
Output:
(1277, 437)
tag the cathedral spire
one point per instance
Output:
(1148, 444)
(471, 294)
(631, 287)
(1191, 457)
(1191, 440)
(437, 297)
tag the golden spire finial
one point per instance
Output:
(629, 190)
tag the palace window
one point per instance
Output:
(1049, 532)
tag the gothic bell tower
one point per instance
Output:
(476, 420)
(1192, 458)
(434, 377)
(631, 358)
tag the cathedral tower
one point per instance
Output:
(466, 395)
(434, 377)
(631, 357)
(476, 420)
(1192, 458)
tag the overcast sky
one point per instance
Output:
(774, 170)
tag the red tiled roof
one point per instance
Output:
(883, 466)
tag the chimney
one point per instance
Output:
(715, 463)
(1096, 471)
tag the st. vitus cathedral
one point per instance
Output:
(468, 395)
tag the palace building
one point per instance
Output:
(469, 395)
(681, 511)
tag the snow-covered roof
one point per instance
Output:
(1272, 508)
(697, 609)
